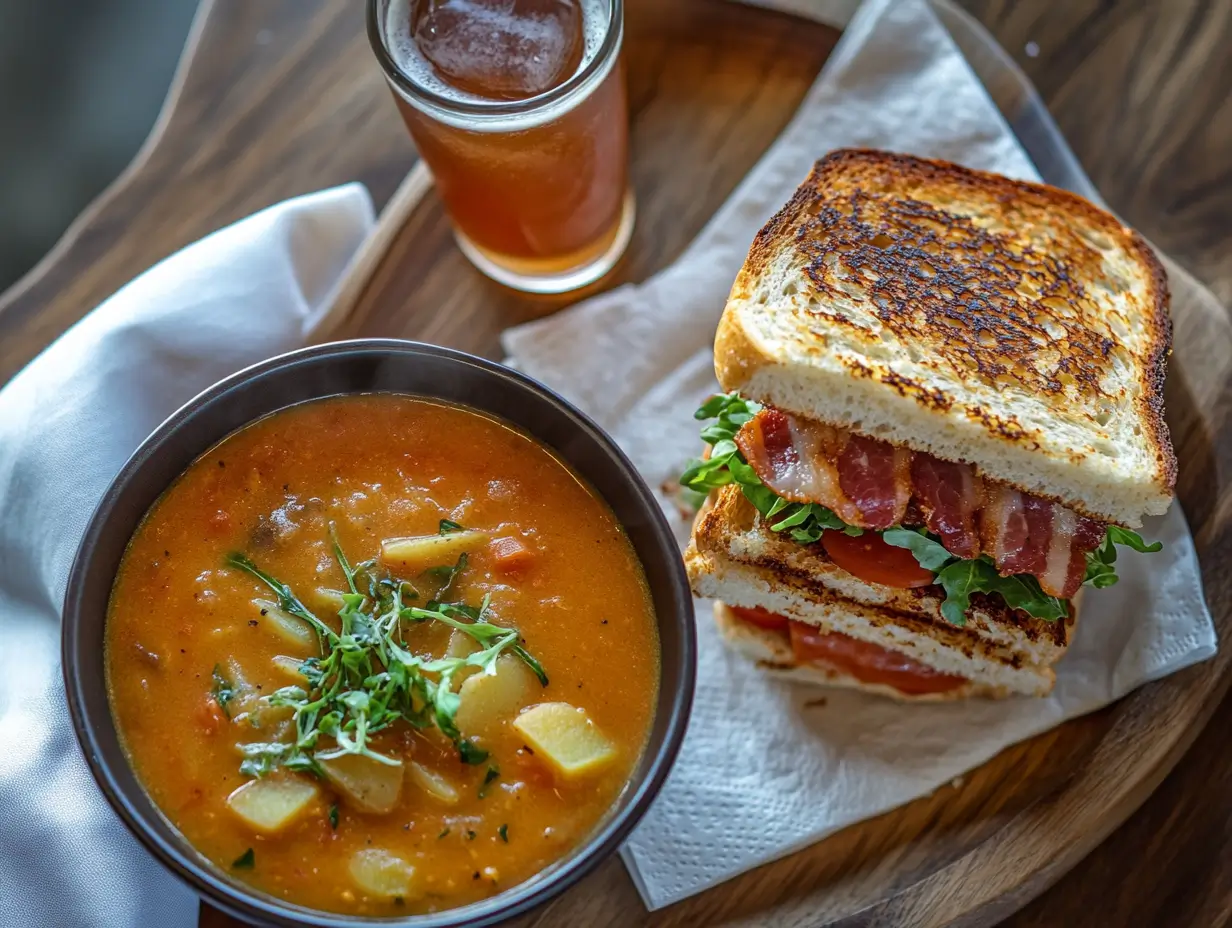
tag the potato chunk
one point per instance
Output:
(368, 784)
(289, 666)
(434, 784)
(424, 551)
(270, 805)
(380, 873)
(461, 644)
(293, 631)
(329, 601)
(486, 700)
(565, 737)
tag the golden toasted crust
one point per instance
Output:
(997, 303)
(730, 528)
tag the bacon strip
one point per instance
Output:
(1017, 530)
(1072, 537)
(793, 458)
(949, 495)
(877, 478)
(874, 485)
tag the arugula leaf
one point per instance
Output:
(333, 816)
(929, 553)
(957, 580)
(963, 577)
(960, 578)
(1100, 571)
(503, 831)
(448, 525)
(471, 754)
(245, 861)
(1131, 539)
(223, 691)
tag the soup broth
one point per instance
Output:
(444, 769)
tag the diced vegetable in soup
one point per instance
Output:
(405, 658)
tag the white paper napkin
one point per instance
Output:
(759, 776)
(67, 424)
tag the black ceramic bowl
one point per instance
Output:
(369, 366)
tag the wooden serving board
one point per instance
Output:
(281, 97)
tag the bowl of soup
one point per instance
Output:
(379, 631)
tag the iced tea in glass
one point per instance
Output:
(518, 109)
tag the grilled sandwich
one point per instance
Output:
(943, 411)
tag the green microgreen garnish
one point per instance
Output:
(448, 574)
(806, 522)
(503, 831)
(489, 778)
(333, 816)
(245, 861)
(223, 691)
(368, 676)
(448, 525)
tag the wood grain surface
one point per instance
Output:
(281, 97)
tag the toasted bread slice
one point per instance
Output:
(733, 549)
(1011, 325)
(773, 655)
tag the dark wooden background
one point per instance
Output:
(1141, 88)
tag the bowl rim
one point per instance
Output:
(246, 902)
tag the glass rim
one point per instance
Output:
(496, 108)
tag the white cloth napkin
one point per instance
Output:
(758, 776)
(67, 424)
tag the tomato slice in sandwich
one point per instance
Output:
(762, 618)
(872, 560)
(867, 662)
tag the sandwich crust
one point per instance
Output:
(773, 656)
(1012, 325)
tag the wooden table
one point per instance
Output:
(281, 97)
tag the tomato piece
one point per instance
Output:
(511, 555)
(762, 618)
(868, 662)
(870, 558)
(210, 715)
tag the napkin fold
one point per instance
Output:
(760, 775)
(67, 424)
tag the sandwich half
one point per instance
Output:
(943, 411)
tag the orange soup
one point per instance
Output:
(380, 655)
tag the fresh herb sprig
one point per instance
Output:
(223, 691)
(367, 677)
(806, 522)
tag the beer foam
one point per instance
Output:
(402, 48)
